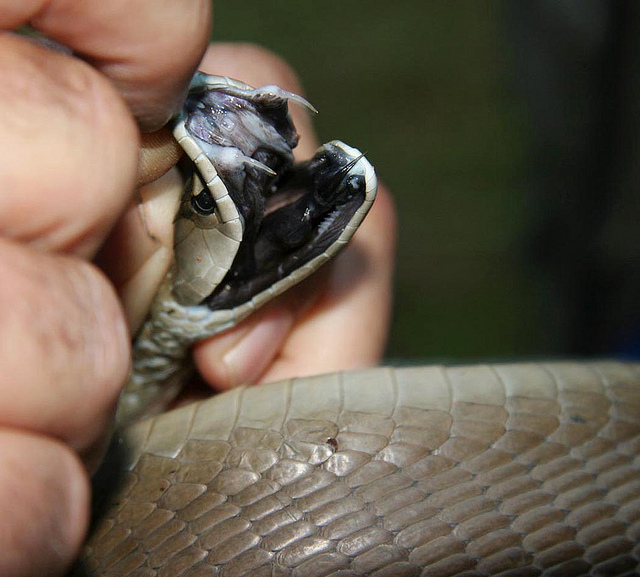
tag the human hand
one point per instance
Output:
(337, 319)
(69, 163)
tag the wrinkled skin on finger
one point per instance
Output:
(69, 135)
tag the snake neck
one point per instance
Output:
(161, 360)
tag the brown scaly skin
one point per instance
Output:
(530, 469)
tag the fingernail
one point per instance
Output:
(252, 354)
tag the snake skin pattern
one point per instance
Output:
(522, 469)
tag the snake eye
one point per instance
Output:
(203, 203)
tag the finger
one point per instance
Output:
(159, 152)
(69, 149)
(258, 67)
(243, 354)
(148, 49)
(64, 344)
(336, 320)
(45, 494)
(139, 250)
(348, 327)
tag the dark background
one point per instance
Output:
(508, 132)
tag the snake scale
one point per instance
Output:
(512, 469)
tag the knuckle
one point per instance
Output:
(84, 156)
(46, 90)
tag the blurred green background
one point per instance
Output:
(437, 95)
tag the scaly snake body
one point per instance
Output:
(530, 469)
(388, 472)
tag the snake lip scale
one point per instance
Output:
(513, 469)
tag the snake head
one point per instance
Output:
(251, 222)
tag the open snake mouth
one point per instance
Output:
(292, 216)
(306, 209)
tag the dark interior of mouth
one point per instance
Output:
(304, 211)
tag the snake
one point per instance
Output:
(513, 469)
